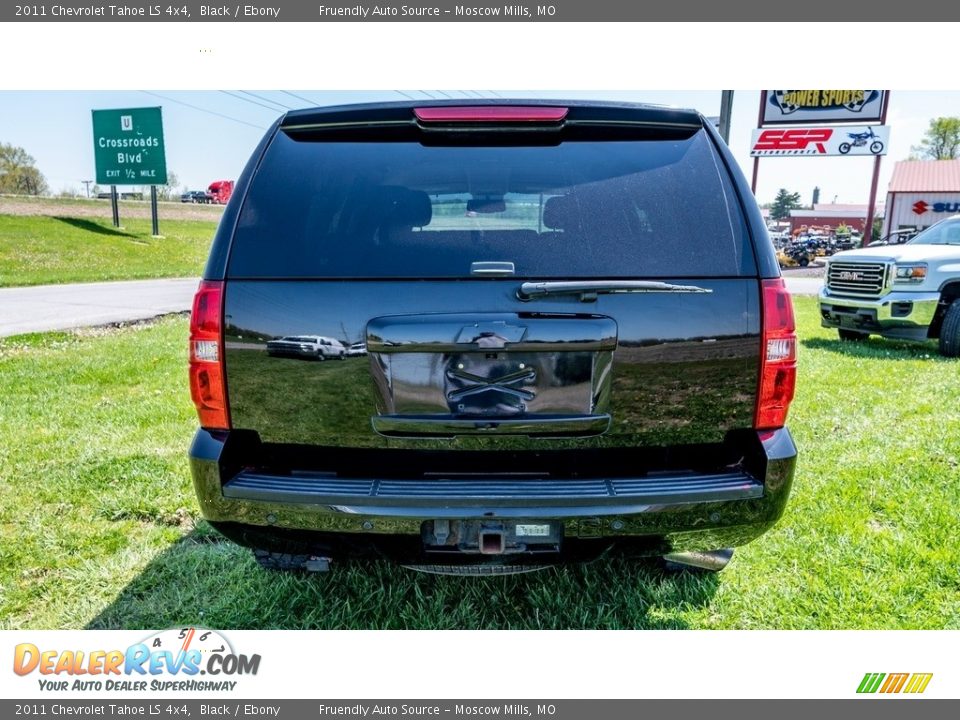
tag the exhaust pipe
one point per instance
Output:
(711, 560)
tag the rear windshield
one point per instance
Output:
(647, 208)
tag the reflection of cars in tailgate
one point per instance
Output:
(311, 346)
(578, 341)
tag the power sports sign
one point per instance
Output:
(822, 107)
(128, 147)
(820, 141)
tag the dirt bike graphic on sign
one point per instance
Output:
(860, 140)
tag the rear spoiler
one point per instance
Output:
(452, 115)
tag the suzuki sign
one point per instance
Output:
(922, 206)
(820, 141)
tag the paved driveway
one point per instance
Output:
(804, 285)
(60, 307)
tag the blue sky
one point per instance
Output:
(212, 139)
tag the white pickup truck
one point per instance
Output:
(908, 292)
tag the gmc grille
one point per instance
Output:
(853, 278)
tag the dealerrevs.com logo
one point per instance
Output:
(182, 653)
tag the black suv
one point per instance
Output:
(577, 341)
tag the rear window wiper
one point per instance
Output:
(588, 290)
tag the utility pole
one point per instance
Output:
(726, 108)
(86, 184)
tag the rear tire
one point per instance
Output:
(852, 335)
(950, 331)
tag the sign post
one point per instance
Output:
(114, 206)
(128, 149)
(872, 206)
(153, 210)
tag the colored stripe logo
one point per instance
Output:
(913, 683)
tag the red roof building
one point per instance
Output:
(832, 215)
(921, 192)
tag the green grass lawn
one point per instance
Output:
(36, 250)
(99, 528)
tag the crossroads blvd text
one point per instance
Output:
(378, 12)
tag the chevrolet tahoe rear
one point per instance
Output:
(576, 341)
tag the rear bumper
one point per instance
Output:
(654, 514)
(903, 315)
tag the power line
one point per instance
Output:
(247, 100)
(203, 110)
(266, 99)
(408, 97)
(300, 97)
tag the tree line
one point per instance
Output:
(19, 175)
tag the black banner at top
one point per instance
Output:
(478, 11)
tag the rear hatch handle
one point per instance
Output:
(588, 290)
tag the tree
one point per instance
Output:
(18, 174)
(168, 191)
(941, 141)
(783, 203)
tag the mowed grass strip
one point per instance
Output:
(39, 250)
(99, 528)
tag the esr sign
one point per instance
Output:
(820, 141)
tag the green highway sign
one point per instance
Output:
(128, 147)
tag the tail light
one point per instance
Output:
(490, 113)
(207, 379)
(778, 356)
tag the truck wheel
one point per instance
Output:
(804, 262)
(950, 331)
(852, 335)
(288, 562)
